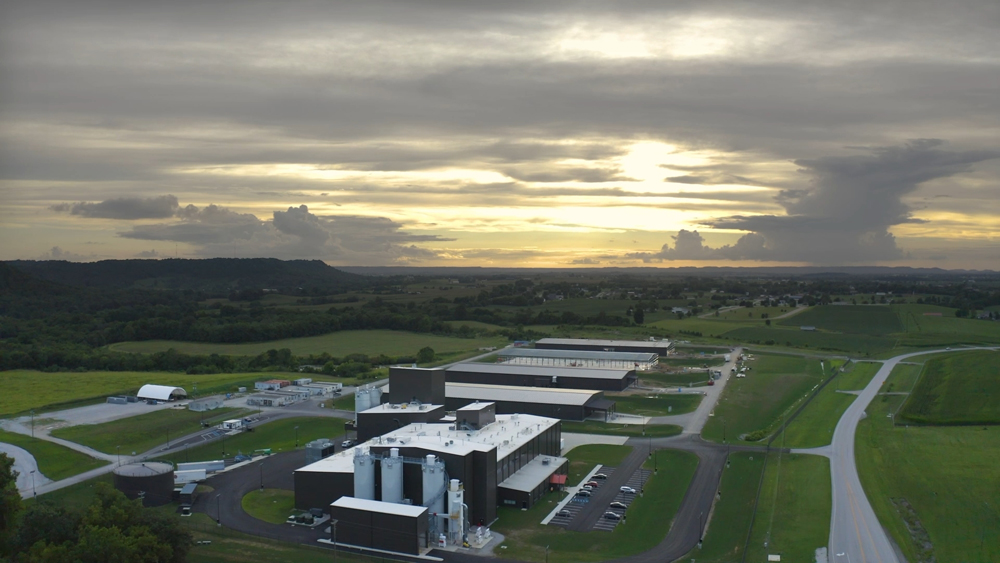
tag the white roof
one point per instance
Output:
(578, 354)
(515, 394)
(477, 406)
(159, 392)
(533, 473)
(379, 506)
(541, 371)
(508, 433)
(606, 343)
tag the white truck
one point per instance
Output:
(728, 357)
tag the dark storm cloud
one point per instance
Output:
(159, 207)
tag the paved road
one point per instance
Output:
(854, 529)
(25, 465)
(694, 422)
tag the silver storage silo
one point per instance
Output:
(375, 397)
(392, 477)
(362, 400)
(364, 475)
(153, 481)
(433, 484)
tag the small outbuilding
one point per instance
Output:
(161, 393)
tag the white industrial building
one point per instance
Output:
(150, 392)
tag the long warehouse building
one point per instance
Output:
(578, 358)
(542, 376)
(661, 347)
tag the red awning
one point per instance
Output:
(558, 479)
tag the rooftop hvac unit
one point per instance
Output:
(546, 461)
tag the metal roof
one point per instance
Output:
(542, 371)
(518, 394)
(379, 506)
(608, 343)
(159, 392)
(578, 354)
(145, 469)
(533, 473)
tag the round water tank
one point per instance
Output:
(375, 397)
(152, 481)
(362, 400)
(392, 477)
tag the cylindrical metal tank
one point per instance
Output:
(392, 477)
(375, 397)
(364, 475)
(456, 520)
(433, 484)
(152, 481)
(362, 400)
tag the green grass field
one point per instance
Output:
(814, 426)
(649, 519)
(941, 476)
(851, 319)
(793, 515)
(143, 432)
(371, 342)
(269, 505)
(54, 461)
(963, 388)
(756, 403)
(751, 314)
(593, 427)
(583, 458)
(278, 435)
(64, 389)
(924, 329)
(860, 344)
(727, 531)
(673, 379)
(655, 405)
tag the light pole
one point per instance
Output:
(33, 492)
(32, 424)
(296, 436)
(223, 445)
(546, 554)
(218, 510)
(119, 450)
(262, 476)
(334, 522)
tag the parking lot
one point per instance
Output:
(635, 482)
(579, 504)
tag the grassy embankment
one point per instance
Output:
(54, 461)
(655, 405)
(931, 486)
(342, 343)
(594, 427)
(814, 426)
(961, 389)
(649, 516)
(56, 391)
(143, 432)
(794, 506)
(774, 386)
(269, 505)
(278, 436)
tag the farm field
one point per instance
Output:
(655, 405)
(730, 523)
(649, 519)
(852, 319)
(751, 314)
(278, 436)
(143, 432)
(814, 426)
(69, 389)
(793, 515)
(962, 388)
(595, 427)
(342, 343)
(269, 505)
(756, 403)
(707, 327)
(856, 344)
(55, 461)
(936, 475)
(926, 330)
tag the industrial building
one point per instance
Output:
(271, 384)
(578, 358)
(381, 525)
(661, 347)
(387, 417)
(151, 392)
(565, 404)
(542, 376)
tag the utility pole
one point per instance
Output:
(34, 493)
(296, 436)
(334, 522)
(218, 509)
(262, 476)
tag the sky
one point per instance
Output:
(513, 133)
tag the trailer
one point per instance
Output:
(234, 424)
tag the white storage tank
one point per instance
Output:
(392, 477)
(364, 475)
(362, 400)
(375, 397)
(433, 484)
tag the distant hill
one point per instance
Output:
(213, 275)
(819, 272)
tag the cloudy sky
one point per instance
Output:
(503, 133)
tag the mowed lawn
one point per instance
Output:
(730, 523)
(853, 319)
(342, 343)
(594, 427)
(814, 426)
(773, 387)
(649, 520)
(683, 379)
(928, 325)
(945, 477)
(793, 513)
(279, 436)
(269, 505)
(143, 432)
(30, 389)
(963, 388)
(54, 460)
(655, 405)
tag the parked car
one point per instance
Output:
(594, 484)
(347, 443)
(617, 504)
(563, 512)
(583, 493)
(599, 476)
(612, 516)
(627, 489)
(588, 487)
